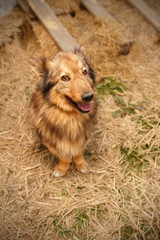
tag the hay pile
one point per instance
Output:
(120, 197)
(10, 25)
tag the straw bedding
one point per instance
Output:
(120, 197)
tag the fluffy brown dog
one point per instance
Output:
(63, 108)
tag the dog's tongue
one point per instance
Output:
(85, 107)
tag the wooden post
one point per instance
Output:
(147, 12)
(58, 32)
(96, 9)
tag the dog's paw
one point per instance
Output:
(59, 172)
(81, 164)
(83, 168)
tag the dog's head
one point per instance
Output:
(67, 80)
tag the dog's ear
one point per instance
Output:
(40, 66)
(80, 51)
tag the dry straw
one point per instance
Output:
(120, 197)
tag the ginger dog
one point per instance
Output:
(63, 108)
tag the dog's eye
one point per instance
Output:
(84, 72)
(65, 78)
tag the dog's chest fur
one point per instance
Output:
(66, 132)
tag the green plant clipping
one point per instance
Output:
(134, 158)
(116, 87)
(111, 86)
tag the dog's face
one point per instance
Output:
(68, 81)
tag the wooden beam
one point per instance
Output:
(61, 36)
(96, 9)
(147, 12)
(24, 5)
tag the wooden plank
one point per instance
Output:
(96, 9)
(30, 14)
(24, 5)
(61, 36)
(147, 12)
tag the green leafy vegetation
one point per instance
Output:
(112, 86)
(79, 226)
(134, 158)
(127, 232)
(63, 232)
(149, 122)
(98, 211)
(64, 192)
(126, 108)
(138, 157)
(116, 87)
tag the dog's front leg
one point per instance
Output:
(81, 164)
(62, 167)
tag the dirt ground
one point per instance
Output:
(119, 199)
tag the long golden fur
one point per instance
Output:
(63, 108)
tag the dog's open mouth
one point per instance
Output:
(84, 107)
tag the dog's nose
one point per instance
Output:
(87, 96)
